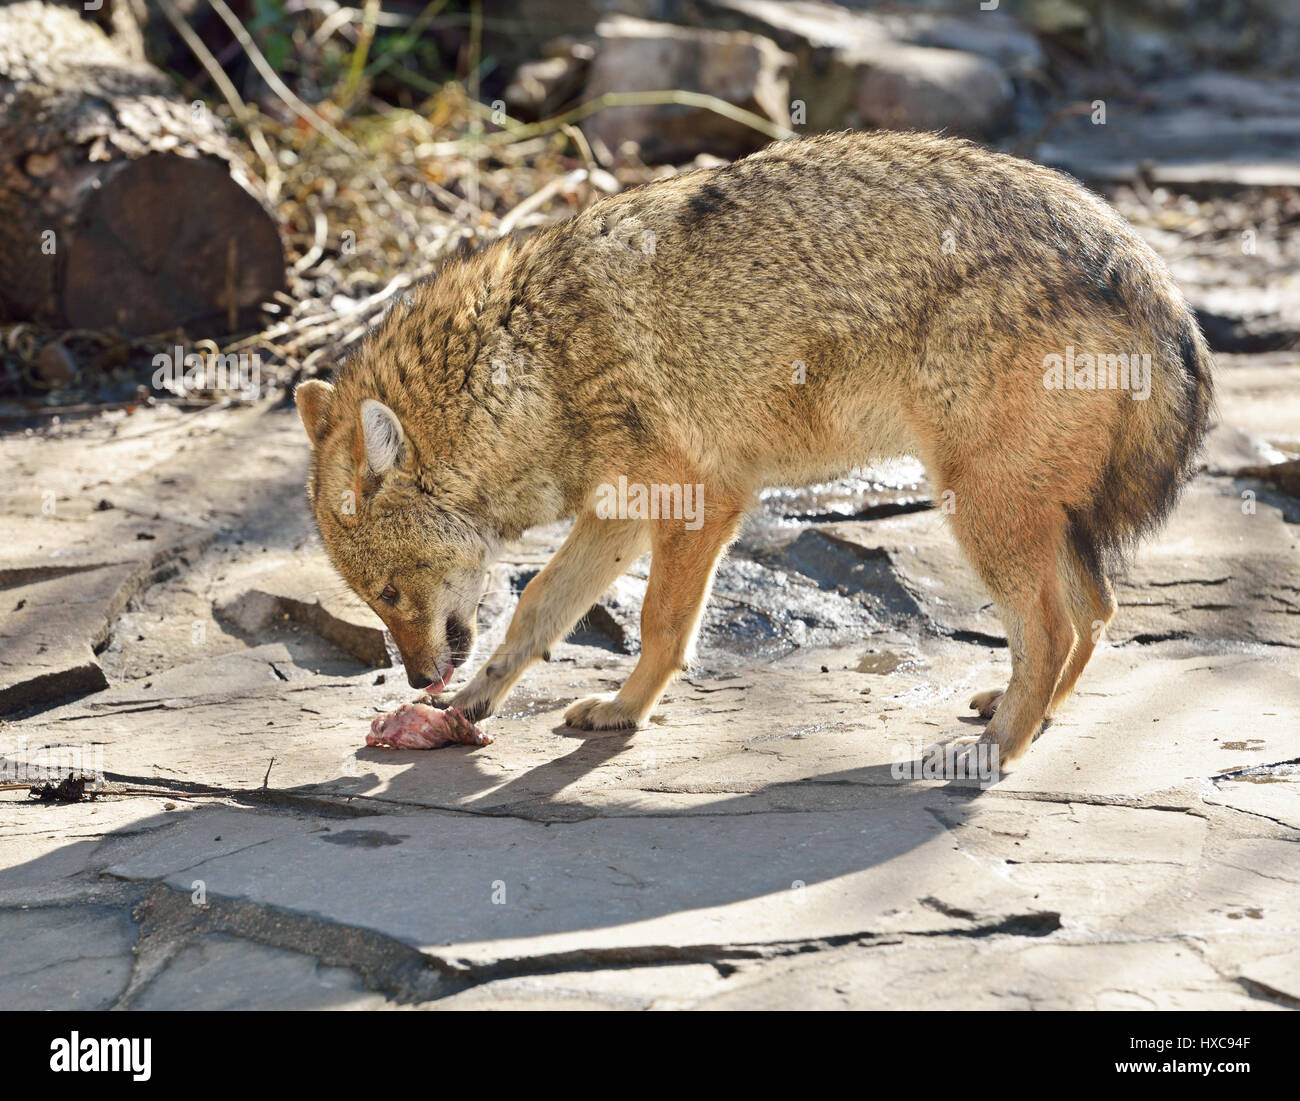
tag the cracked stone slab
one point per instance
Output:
(1196, 581)
(214, 469)
(230, 973)
(1147, 718)
(1272, 796)
(1136, 872)
(1143, 939)
(1144, 722)
(1193, 581)
(63, 583)
(1141, 854)
(999, 973)
(52, 848)
(303, 587)
(931, 567)
(76, 957)
(475, 888)
(503, 895)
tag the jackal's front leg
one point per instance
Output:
(595, 554)
(681, 572)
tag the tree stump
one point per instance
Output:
(121, 206)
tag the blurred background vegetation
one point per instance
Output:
(380, 135)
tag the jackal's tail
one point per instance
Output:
(1155, 452)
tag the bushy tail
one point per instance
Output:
(1155, 454)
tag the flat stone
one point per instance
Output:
(55, 849)
(822, 38)
(1178, 147)
(993, 974)
(1197, 580)
(991, 34)
(615, 883)
(76, 957)
(51, 631)
(1169, 716)
(930, 565)
(229, 973)
(918, 70)
(1229, 450)
(1270, 793)
(63, 593)
(1261, 395)
(304, 588)
(922, 88)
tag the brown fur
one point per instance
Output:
(919, 281)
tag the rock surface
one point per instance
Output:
(250, 851)
(777, 837)
(633, 55)
(906, 70)
(923, 88)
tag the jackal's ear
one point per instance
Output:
(313, 399)
(384, 436)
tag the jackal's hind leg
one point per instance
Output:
(1091, 603)
(1017, 551)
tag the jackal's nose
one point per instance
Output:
(419, 680)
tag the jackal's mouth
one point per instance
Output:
(443, 678)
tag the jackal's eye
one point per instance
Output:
(389, 595)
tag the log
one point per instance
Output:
(121, 206)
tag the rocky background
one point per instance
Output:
(169, 625)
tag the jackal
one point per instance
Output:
(826, 302)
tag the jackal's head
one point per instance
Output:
(420, 566)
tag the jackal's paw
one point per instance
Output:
(986, 702)
(977, 752)
(474, 704)
(601, 713)
(1011, 746)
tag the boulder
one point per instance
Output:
(991, 34)
(828, 43)
(633, 55)
(960, 82)
(922, 88)
(540, 88)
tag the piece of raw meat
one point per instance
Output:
(418, 726)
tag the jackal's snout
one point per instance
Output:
(431, 666)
